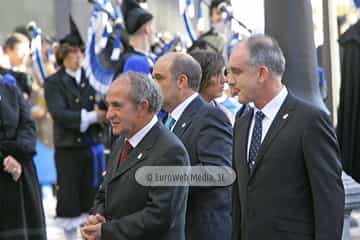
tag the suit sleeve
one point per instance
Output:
(323, 165)
(57, 106)
(214, 145)
(236, 206)
(162, 206)
(99, 202)
(236, 211)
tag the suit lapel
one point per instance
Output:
(243, 131)
(138, 154)
(186, 117)
(281, 119)
(115, 157)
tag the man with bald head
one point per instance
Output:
(285, 155)
(125, 209)
(207, 135)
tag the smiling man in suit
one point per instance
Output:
(206, 133)
(123, 208)
(285, 154)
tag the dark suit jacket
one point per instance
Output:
(65, 99)
(139, 212)
(206, 133)
(295, 189)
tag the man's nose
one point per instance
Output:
(109, 114)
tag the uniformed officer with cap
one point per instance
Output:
(78, 129)
(140, 34)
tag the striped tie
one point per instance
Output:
(256, 138)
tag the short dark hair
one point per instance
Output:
(265, 50)
(215, 3)
(211, 63)
(13, 39)
(187, 65)
(62, 50)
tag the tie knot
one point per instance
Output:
(127, 146)
(259, 116)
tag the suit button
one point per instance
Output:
(82, 85)
(77, 100)
(91, 97)
(78, 140)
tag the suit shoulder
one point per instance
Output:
(170, 144)
(54, 77)
(309, 110)
(214, 114)
(168, 138)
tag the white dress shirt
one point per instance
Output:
(137, 137)
(178, 111)
(75, 74)
(270, 110)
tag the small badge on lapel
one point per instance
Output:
(285, 116)
(183, 125)
(140, 156)
(103, 173)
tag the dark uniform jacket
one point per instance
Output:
(65, 99)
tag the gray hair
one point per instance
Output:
(265, 50)
(187, 65)
(144, 88)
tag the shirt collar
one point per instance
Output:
(272, 108)
(137, 137)
(75, 74)
(176, 113)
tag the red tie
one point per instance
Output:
(125, 151)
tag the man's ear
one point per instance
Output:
(183, 81)
(147, 28)
(264, 73)
(144, 106)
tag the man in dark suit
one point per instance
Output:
(125, 209)
(285, 155)
(206, 133)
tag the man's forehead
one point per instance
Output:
(239, 54)
(162, 65)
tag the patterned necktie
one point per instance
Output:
(170, 121)
(125, 151)
(256, 138)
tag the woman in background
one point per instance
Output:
(213, 78)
